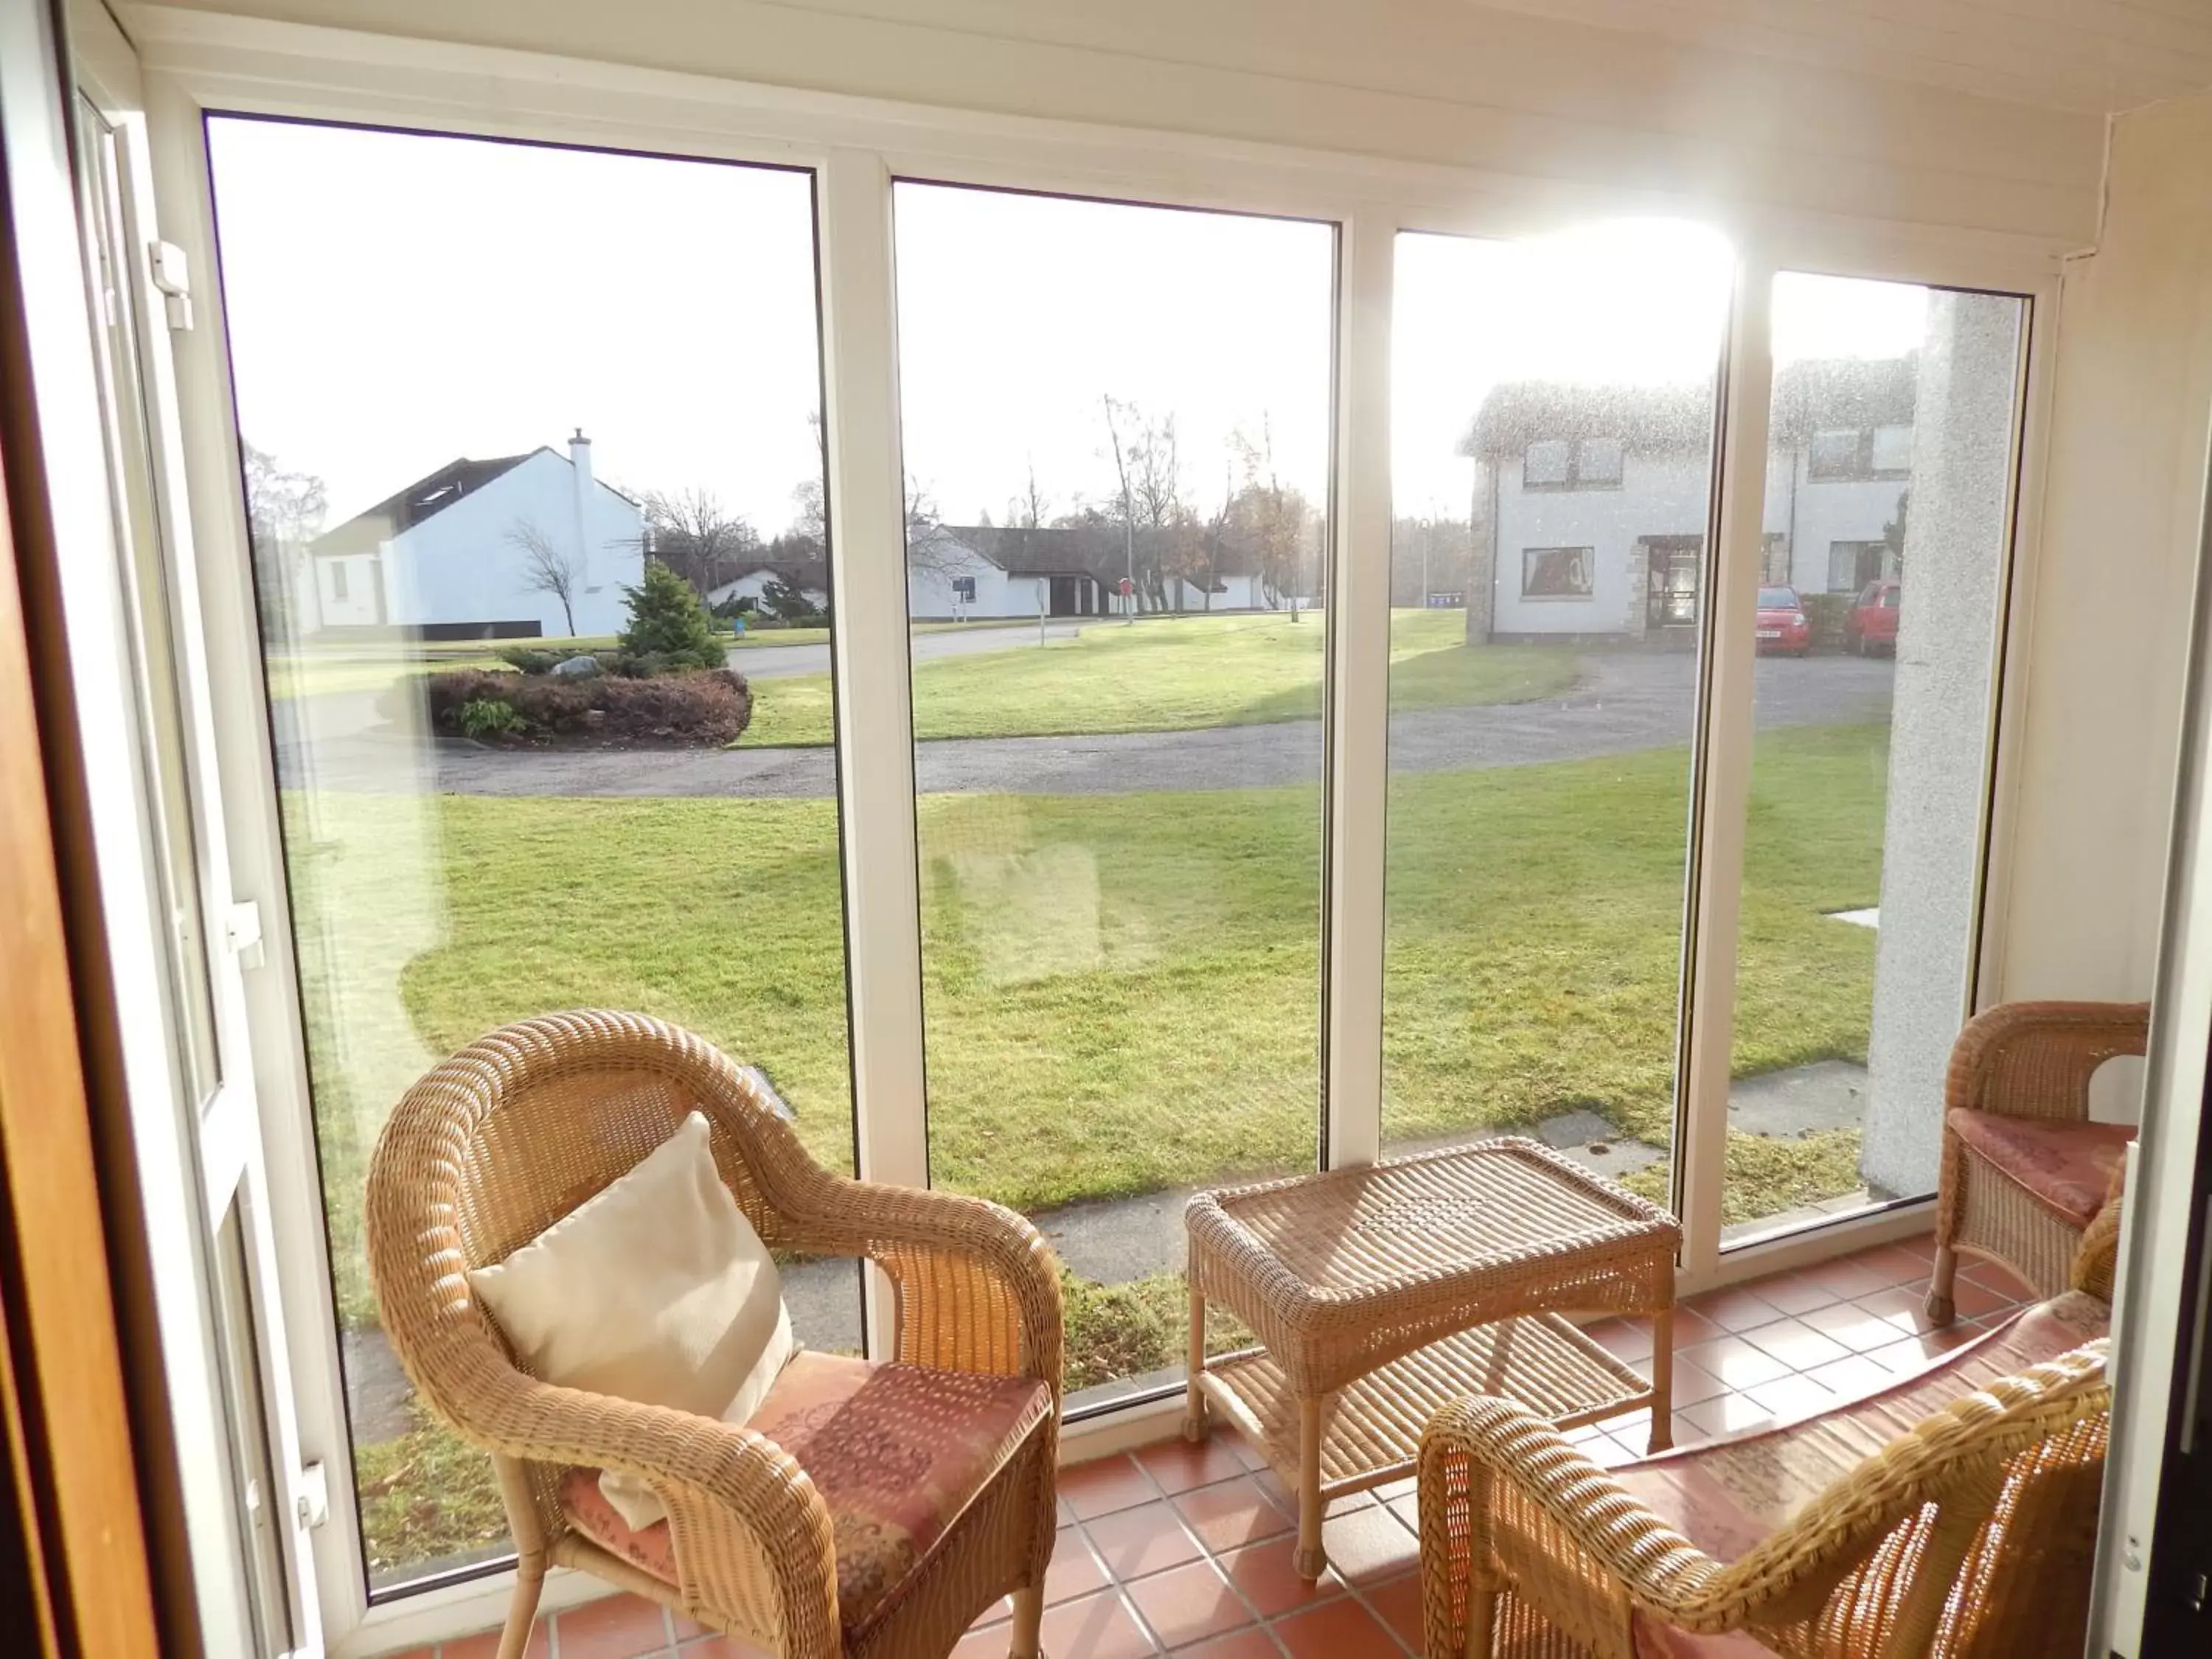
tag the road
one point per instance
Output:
(1625, 702)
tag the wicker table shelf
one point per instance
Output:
(1380, 1294)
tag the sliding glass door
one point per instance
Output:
(1116, 427)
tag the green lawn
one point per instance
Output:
(1138, 972)
(313, 671)
(1172, 675)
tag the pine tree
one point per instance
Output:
(667, 621)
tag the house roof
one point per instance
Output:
(425, 498)
(1814, 394)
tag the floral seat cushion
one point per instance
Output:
(1727, 1496)
(896, 1451)
(2066, 1167)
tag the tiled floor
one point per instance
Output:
(1187, 1549)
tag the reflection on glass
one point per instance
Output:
(467, 440)
(1888, 491)
(1552, 418)
(1116, 426)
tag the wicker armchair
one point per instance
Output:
(521, 1126)
(2024, 1170)
(1969, 1533)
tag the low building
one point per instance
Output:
(518, 547)
(1600, 496)
(964, 572)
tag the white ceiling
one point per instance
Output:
(2093, 56)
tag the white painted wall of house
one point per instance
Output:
(361, 577)
(754, 583)
(1824, 511)
(929, 593)
(458, 566)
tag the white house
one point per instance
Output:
(1600, 496)
(810, 577)
(961, 572)
(483, 550)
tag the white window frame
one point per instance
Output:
(196, 62)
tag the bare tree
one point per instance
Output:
(693, 537)
(283, 512)
(929, 545)
(547, 566)
(1273, 518)
(1128, 502)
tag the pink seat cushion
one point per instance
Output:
(2066, 1167)
(1727, 1496)
(896, 1451)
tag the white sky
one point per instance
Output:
(397, 301)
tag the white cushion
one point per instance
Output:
(656, 1289)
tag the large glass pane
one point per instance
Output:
(1889, 489)
(480, 386)
(1551, 429)
(1116, 426)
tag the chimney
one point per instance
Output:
(580, 461)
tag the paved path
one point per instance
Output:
(1626, 701)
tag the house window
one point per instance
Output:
(1892, 450)
(1835, 455)
(338, 580)
(1559, 464)
(963, 589)
(1853, 565)
(1556, 572)
(1547, 464)
(1598, 462)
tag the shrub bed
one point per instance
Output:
(710, 709)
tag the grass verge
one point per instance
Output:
(1172, 675)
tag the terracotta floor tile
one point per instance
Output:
(1179, 1465)
(1921, 1250)
(685, 1628)
(728, 1647)
(1904, 1306)
(1792, 1397)
(1104, 1485)
(1403, 1488)
(1075, 1570)
(1692, 1384)
(1973, 1300)
(1149, 1538)
(1796, 1343)
(417, 1653)
(1368, 1546)
(1860, 1327)
(617, 1627)
(1847, 1279)
(1997, 1277)
(985, 1641)
(1408, 1511)
(1691, 1328)
(1264, 1575)
(1609, 1452)
(1725, 1415)
(486, 1645)
(1232, 1513)
(1399, 1602)
(1338, 1629)
(1734, 1361)
(1189, 1603)
(1852, 1376)
(1252, 1643)
(1791, 1293)
(1733, 1308)
(1096, 1627)
(1914, 1353)
(1688, 1430)
(1626, 1339)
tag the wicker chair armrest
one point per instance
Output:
(978, 1287)
(1483, 1440)
(754, 1547)
(2035, 1058)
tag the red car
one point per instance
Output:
(1871, 627)
(1782, 624)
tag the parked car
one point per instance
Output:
(1783, 623)
(1870, 630)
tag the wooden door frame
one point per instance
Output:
(63, 1387)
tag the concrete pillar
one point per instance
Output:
(1955, 555)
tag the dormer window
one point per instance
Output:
(1573, 464)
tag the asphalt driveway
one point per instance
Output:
(1626, 701)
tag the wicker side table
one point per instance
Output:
(1381, 1293)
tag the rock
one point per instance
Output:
(579, 667)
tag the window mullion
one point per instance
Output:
(875, 716)
(1723, 793)
(1358, 690)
